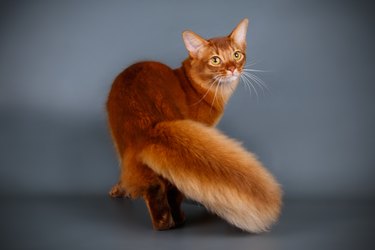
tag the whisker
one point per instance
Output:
(213, 101)
(251, 84)
(231, 88)
(257, 80)
(251, 63)
(255, 70)
(247, 81)
(221, 92)
(254, 78)
(215, 79)
(260, 81)
(246, 84)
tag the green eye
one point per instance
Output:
(237, 55)
(215, 60)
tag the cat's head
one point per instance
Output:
(217, 60)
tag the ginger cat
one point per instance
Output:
(162, 124)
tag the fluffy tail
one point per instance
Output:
(216, 171)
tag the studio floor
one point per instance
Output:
(99, 222)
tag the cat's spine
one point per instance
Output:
(216, 171)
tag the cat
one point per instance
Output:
(162, 123)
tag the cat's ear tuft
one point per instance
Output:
(193, 42)
(239, 33)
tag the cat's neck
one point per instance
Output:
(212, 94)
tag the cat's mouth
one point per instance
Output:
(226, 79)
(229, 78)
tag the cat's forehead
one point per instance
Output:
(222, 44)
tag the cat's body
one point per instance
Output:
(161, 123)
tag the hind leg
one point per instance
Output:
(140, 181)
(157, 203)
(146, 183)
(175, 198)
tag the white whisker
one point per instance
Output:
(256, 70)
(254, 80)
(257, 80)
(246, 84)
(215, 79)
(251, 84)
(260, 81)
(251, 63)
(213, 101)
(221, 92)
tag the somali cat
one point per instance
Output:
(162, 124)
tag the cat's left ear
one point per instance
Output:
(238, 35)
(193, 42)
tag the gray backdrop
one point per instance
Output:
(313, 128)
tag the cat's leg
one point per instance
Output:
(118, 191)
(132, 178)
(140, 181)
(175, 198)
(157, 203)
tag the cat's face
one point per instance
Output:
(217, 60)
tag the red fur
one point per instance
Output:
(161, 121)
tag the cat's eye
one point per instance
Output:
(237, 55)
(215, 60)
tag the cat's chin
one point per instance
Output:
(230, 79)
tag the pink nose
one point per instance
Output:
(231, 69)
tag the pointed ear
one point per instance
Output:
(238, 35)
(193, 42)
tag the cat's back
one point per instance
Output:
(144, 72)
(145, 77)
(146, 89)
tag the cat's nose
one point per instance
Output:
(231, 69)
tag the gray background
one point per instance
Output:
(313, 128)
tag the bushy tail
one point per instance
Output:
(216, 171)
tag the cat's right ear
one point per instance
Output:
(193, 42)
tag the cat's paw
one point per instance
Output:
(179, 218)
(118, 192)
(165, 223)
